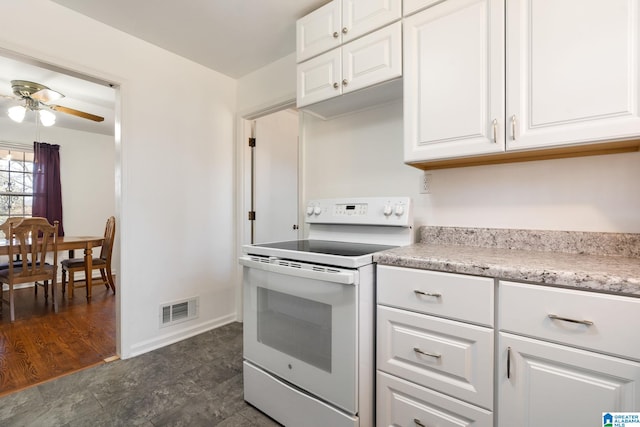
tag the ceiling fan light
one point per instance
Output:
(17, 113)
(47, 118)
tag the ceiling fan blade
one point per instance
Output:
(78, 113)
(9, 97)
(47, 95)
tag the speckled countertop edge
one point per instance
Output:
(604, 273)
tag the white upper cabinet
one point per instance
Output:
(318, 31)
(360, 17)
(572, 71)
(364, 62)
(412, 6)
(342, 21)
(454, 80)
(570, 77)
(372, 59)
(319, 78)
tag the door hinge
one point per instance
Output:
(252, 142)
(252, 215)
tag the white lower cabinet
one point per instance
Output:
(565, 356)
(433, 369)
(546, 384)
(452, 357)
(403, 403)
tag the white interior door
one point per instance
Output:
(275, 182)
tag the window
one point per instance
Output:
(16, 183)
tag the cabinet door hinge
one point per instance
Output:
(252, 142)
(252, 215)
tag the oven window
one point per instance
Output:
(295, 326)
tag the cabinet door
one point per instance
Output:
(372, 59)
(454, 80)
(319, 78)
(318, 31)
(362, 16)
(572, 71)
(412, 6)
(557, 386)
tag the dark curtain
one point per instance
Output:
(47, 192)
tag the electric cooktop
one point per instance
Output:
(327, 247)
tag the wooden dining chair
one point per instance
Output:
(102, 263)
(17, 262)
(33, 267)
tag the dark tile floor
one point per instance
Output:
(196, 382)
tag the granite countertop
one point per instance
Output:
(605, 262)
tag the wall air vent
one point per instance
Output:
(179, 311)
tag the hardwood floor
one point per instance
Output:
(41, 345)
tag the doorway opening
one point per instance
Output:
(274, 177)
(89, 166)
(269, 179)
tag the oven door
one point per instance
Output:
(301, 325)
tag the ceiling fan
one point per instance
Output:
(37, 97)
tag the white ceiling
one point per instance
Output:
(233, 37)
(79, 94)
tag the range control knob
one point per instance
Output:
(309, 210)
(387, 210)
(317, 210)
(399, 210)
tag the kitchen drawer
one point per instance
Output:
(452, 357)
(400, 403)
(525, 310)
(456, 296)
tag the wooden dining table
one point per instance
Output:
(71, 243)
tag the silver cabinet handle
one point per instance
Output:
(345, 82)
(513, 127)
(566, 319)
(336, 85)
(508, 362)
(344, 30)
(336, 34)
(424, 353)
(418, 422)
(428, 294)
(495, 131)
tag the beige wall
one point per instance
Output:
(268, 87)
(174, 157)
(361, 155)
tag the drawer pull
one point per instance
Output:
(508, 362)
(566, 319)
(418, 422)
(428, 294)
(417, 350)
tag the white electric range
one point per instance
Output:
(309, 313)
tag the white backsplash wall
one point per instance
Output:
(361, 155)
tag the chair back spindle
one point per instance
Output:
(31, 238)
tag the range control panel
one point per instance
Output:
(365, 211)
(359, 209)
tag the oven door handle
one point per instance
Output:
(342, 276)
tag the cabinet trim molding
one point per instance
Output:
(594, 149)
